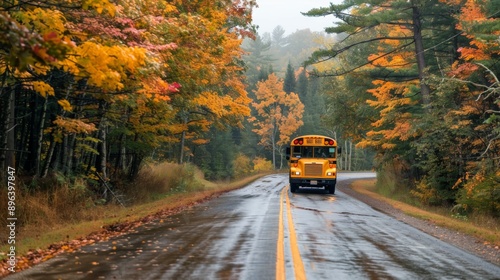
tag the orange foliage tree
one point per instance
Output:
(279, 115)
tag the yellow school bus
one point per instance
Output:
(313, 162)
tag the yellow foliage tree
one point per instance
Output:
(207, 65)
(279, 114)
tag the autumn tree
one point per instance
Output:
(387, 42)
(207, 63)
(427, 74)
(104, 85)
(279, 115)
(35, 84)
(469, 107)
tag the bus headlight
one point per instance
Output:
(329, 173)
(297, 172)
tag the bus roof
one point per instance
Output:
(313, 136)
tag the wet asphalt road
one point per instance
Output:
(263, 231)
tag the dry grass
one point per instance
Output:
(484, 228)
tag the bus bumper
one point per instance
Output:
(313, 183)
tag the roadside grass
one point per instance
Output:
(161, 188)
(480, 226)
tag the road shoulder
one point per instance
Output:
(466, 242)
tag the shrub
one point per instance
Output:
(425, 193)
(156, 180)
(481, 193)
(262, 164)
(242, 166)
(392, 180)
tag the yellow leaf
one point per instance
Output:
(43, 88)
(65, 105)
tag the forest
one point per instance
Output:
(94, 89)
(97, 87)
(418, 83)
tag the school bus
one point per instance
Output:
(313, 162)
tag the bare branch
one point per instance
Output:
(489, 145)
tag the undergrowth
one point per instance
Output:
(390, 185)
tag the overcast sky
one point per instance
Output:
(286, 13)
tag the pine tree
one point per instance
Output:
(289, 84)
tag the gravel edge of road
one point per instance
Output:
(466, 242)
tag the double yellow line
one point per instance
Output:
(298, 265)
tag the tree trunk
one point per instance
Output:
(27, 141)
(183, 139)
(135, 162)
(419, 51)
(10, 154)
(70, 148)
(281, 156)
(135, 166)
(38, 155)
(57, 157)
(346, 153)
(119, 162)
(350, 155)
(10, 136)
(48, 158)
(103, 151)
(64, 153)
(181, 152)
(274, 150)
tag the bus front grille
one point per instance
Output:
(313, 170)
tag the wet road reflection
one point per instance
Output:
(237, 236)
(343, 238)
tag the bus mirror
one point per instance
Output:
(287, 152)
(339, 150)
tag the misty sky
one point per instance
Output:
(286, 13)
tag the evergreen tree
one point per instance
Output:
(302, 85)
(262, 74)
(278, 39)
(257, 60)
(289, 84)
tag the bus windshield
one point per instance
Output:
(313, 152)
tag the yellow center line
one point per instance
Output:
(298, 265)
(280, 250)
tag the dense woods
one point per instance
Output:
(418, 82)
(94, 89)
(97, 87)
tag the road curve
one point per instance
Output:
(263, 231)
